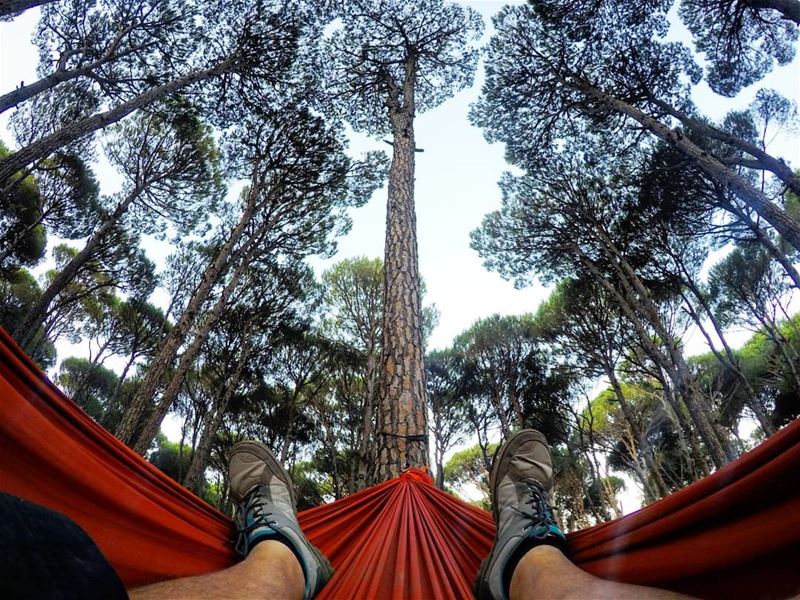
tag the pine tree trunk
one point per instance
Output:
(62, 74)
(729, 358)
(146, 392)
(762, 160)
(26, 92)
(9, 245)
(658, 481)
(764, 240)
(440, 473)
(502, 417)
(26, 331)
(639, 298)
(519, 419)
(200, 457)
(696, 459)
(783, 223)
(639, 309)
(286, 444)
(402, 404)
(366, 456)
(153, 424)
(45, 146)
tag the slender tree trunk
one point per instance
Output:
(45, 146)
(287, 438)
(143, 398)
(780, 343)
(650, 495)
(93, 363)
(696, 459)
(589, 454)
(402, 431)
(483, 443)
(763, 161)
(438, 444)
(643, 447)
(9, 245)
(505, 427)
(365, 453)
(25, 92)
(727, 360)
(673, 363)
(517, 408)
(200, 457)
(153, 424)
(26, 331)
(685, 382)
(764, 240)
(113, 401)
(439, 468)
(783, 223)
(62, 74)
(330, 442)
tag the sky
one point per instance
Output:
(456, 185)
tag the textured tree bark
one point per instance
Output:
(402, 410)
(763, 239)
(62, 74)
(153, 423)
(728, 359)
(502, 417)
(688, 438)
(677, 367)
(439, 468)
(761, 159)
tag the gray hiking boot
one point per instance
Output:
(266, 509)
(521, 484)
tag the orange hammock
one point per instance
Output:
(733, 534)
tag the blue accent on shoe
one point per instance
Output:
(260, 534)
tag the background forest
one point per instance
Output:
(228, 126)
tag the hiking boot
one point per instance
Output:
(266, 510)
(521, 484)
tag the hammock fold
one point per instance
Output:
(736, 533)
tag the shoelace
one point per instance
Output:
(254, 507)
(541, 515)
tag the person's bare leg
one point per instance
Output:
(270, 571)
(545, 573)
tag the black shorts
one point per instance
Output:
(46, 555)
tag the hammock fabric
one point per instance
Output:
(733, 534)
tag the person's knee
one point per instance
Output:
(544, 572)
